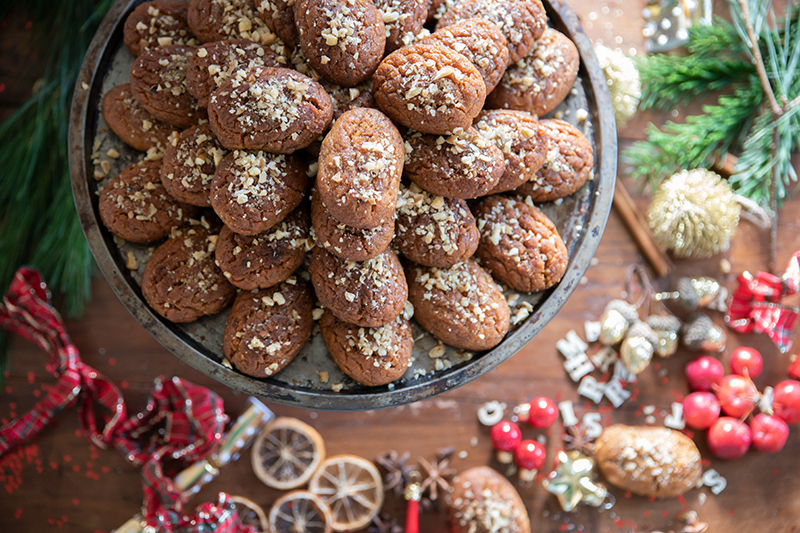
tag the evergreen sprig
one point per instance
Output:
(718, 57)
(38, 222)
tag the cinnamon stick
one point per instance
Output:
(635, 222)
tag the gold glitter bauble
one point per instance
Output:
(694, 214)
(623, 82)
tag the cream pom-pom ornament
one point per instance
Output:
(623, 82)
(694, 214)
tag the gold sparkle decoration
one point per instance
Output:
(623, 82)
(572, 482)
(694, 213)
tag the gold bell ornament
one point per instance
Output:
(695, 293)
(700, 333)
(617, 317)
(638, 347)
(666, 328)
(572, 482)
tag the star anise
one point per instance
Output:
(397, 470)
(384, 523)
(577, 439)
(437, 476)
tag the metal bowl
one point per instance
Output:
(580, 219)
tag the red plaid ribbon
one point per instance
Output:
(182, 421)
(756, 304)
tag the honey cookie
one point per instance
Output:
(649, 461)
(279, 17)
(541, 80)
(158, 23)
(434, 231)
(360, 164)
(369, 293)
(461, 305)
(189, 165)
(158, 82)
(133, 124)
(217, 20)
(479, 41)
(521, 21)
(429, 88)
(266, 329)
(136, 207)
(519, 244)
(567, 166)
(346, 241)
(181, 282)
(401, 17)
(273, 109)
(253, 191)
(213, 63)
(483, 501)
(266, 259)
(343, 41)
(371, 356)
(461, 165)
(521, 139)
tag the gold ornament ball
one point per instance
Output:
(613, 327)
(667, 343)
(694, 214)
(623, 81)
(636, 353)
(715, 341)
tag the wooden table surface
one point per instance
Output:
(60, 480)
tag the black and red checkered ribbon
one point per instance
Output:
(182, 421)
(756, 304)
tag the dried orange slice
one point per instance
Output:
(287, 453)
(250, 513)
(352, 487)
(300, 511)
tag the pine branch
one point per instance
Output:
(696, 142)
(38, 221)
(720, 38)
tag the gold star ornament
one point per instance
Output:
(572, 483)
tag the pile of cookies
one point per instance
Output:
(406, 160)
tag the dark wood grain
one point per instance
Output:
(62, 481)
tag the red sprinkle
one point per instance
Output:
(123, 384)
(31, 377)
(664, 513)
(18, 513)
(67, 458)
(75, 501)
(76, 468)
(54, 465)
(37, 393)
(28, 25)
(112, 361)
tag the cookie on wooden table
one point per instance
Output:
(481, 42)
(158, 82)
(213, 63)
(347, 242)
(521, 21)
(519, 244)
(267, 328)
(360, 164)
(343, 41)
(461, 165)
(371, 356)
(522, 141)
(273, 109)
(541, 80)
(266, 259)
(253, 191)
(132, 123)
(650, 461)
(429, 88)
(181, 281)
(157, 23)
(217, 20)
(483, 501)
(461, 305)
(369, 293)
(189, 164)
(568, 163)
(136, 207)
(434, 231)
